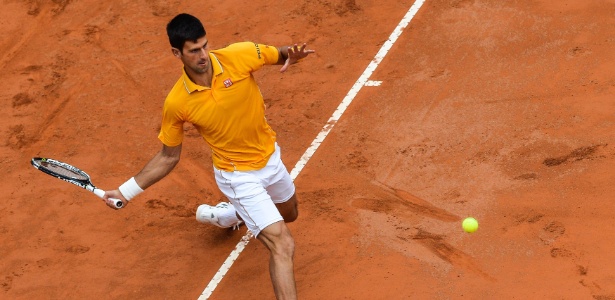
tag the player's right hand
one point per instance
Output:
(115, 194)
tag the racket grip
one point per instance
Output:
(117, 202)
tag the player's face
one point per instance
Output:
(194, 55)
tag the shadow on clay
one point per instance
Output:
(398, 200)
(391, 200)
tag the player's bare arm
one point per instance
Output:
(157, 168)
(292, 54)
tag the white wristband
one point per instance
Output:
(130, 189)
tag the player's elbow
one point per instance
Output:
(171, 161)
(170, 154)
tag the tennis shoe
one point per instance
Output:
(215, 215)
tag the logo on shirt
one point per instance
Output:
(228, 82)
(258, 50)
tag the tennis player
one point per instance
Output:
(218, 94)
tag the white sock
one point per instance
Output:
(228, 217)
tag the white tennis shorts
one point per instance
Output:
(255, 193)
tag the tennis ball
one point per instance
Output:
(469, 225)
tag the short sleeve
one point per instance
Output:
(253, 56)
(172, 127)
(270, 54)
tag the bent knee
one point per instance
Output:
(286, 245)
(289, 210)
(291, 216)
(279, 240)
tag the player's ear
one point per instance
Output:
(176, 52)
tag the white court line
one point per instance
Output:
(320, 137)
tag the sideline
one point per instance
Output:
(360, 83)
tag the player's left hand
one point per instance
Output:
(295, 54)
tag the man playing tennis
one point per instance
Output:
(218, 94)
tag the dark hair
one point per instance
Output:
(182, 28)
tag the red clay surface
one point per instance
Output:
(501, 110)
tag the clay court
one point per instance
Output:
(500, 110)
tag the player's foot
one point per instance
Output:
(222, 215)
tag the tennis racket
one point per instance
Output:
(70, 174)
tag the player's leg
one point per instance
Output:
(289, 209)
(277, 238)
(280, 187)
(261, 198)
(264, 220)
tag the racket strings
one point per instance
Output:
(64, 171)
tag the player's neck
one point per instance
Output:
(202, 79)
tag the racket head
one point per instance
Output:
(71, 174)
(60, 170)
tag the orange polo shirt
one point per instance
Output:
(231, 114)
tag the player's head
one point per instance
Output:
(182, 28)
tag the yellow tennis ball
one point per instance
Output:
(469, 225)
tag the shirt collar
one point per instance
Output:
(216, 64)
(193, 87)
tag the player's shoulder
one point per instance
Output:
(177, 93)
(238, 46)
(244, 48)
(179, 86)
(235, 49)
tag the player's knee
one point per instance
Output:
(282, 244)
(285, 245)
(291, 216)
(278, 239)
(291, 211)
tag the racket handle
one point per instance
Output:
(117, 202)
